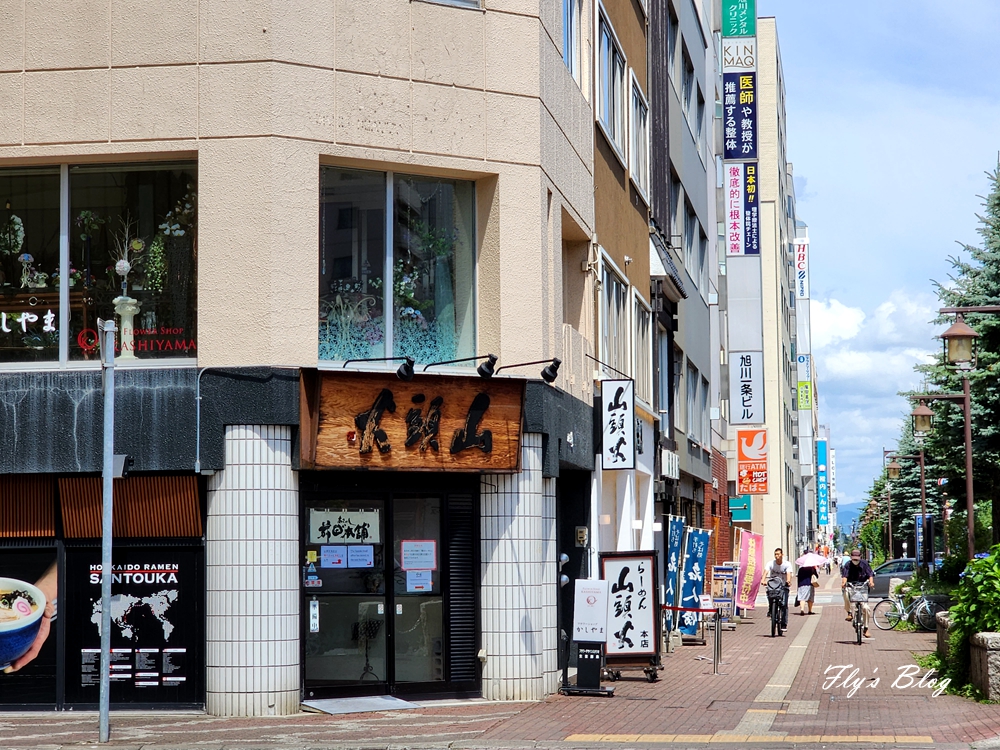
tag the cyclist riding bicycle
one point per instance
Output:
(781, 570)
(857, 571)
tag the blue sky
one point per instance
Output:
(893, 118)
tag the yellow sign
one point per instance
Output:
(311, 556)
(805, 396)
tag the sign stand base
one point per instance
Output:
(590, 658)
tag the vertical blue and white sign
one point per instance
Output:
(822, 485)
(693, 577)
(675, 535)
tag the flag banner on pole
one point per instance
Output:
(675, 535)
(693, 577)
(751, 569)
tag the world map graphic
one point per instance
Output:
(126, 610)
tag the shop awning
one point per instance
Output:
(145, 507)
(27, 507)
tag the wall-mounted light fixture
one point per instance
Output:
(404, 372)
(485, 370)
(549, 373)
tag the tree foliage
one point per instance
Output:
(975, 281)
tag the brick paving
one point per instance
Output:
(754, 702)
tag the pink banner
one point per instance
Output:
(751, 569)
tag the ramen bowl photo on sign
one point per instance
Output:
(21, 608)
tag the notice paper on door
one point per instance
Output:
(333, 556)
(361, 556)
(419, 580)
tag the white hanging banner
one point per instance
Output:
(618, 420)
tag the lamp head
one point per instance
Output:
(893, 468)
(923, 420)
(405, 370)
(487, 368)
(959, 342)
(551, 371)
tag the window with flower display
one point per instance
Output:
(397, 266)
(122, 247)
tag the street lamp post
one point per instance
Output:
(893, 474)
(960, 351)
(894, 468)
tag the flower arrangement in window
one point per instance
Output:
(183, 215)
(11, 236)
(74, 276)
(127, 250)
(31, 277)
(350, 324)
(90, 222)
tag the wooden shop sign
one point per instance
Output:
(433, 423)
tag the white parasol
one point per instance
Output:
(811, 560)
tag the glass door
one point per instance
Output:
(418, 603)
(345, 603)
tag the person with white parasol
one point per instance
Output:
(808, 579)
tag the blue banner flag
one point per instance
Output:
(693, 577)
(675, 535)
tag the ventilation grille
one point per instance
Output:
(27, 507)
(144, 507)
(463, 577)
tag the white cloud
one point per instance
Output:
(833, 321)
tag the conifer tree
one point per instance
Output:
(975, 281)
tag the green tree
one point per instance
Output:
(975, 281)
(906, 492)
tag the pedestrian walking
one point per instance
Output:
(808, 581)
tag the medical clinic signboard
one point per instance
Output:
(742, 209)
(751, 461)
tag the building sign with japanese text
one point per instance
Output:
(746, 388)
(739, 18)
(804, 395)
(344, 527)
(632, 606)
(822, 485)
(742, 209)
(436, 423)
(617, 418)
(739, 104)
(693, 577)
(751, 461)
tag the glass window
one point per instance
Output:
(671, 43)
(615, 349)
(352, 264)
(133, 245)
(706, 428)
(690, 225)
(639, 164)
(433, 269)
(571, 36)
(29, 261)
(687, 84)
(678, 403)
(694, 421)
(643, 353)
(402, 288)
(612, 87)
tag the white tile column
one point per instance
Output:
(252, 576)
(518, 580)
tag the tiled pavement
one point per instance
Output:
(770, 694)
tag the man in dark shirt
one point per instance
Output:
(857, 571)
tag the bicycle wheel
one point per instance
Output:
(859, 621)
(775, 615)
(886, 615)
(926, 612)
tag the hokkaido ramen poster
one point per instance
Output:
(157, 625)
(28, 580)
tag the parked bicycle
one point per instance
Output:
(777, 598)
(888, 613)
(857, 594)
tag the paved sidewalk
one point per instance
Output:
(771, 694)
